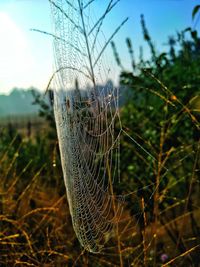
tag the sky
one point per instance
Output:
(26, 57)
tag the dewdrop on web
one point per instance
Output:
(86, 111)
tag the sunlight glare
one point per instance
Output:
(15, 57)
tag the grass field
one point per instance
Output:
(35, 224)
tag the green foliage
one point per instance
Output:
(160, 150)
(162, 119)
(162, 94)
(46, 110)
(195, 11)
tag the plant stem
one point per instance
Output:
(114, 209)
(87, 45)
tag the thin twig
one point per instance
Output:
(70, 4)
(63, 68)
(89, 3)
(61, 39)
(106, 44)
(87, 44)
(108, 9)
(67, 17)
(180, 256)
(100, 22)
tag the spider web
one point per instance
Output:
(86, 114)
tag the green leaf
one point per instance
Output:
(194, 35)
(187, 29)
(195, 10)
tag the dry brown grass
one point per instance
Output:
(36, 229)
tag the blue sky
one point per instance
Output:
(26, 58)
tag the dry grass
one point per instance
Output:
(36, 229)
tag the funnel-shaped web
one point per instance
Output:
(86, 114)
